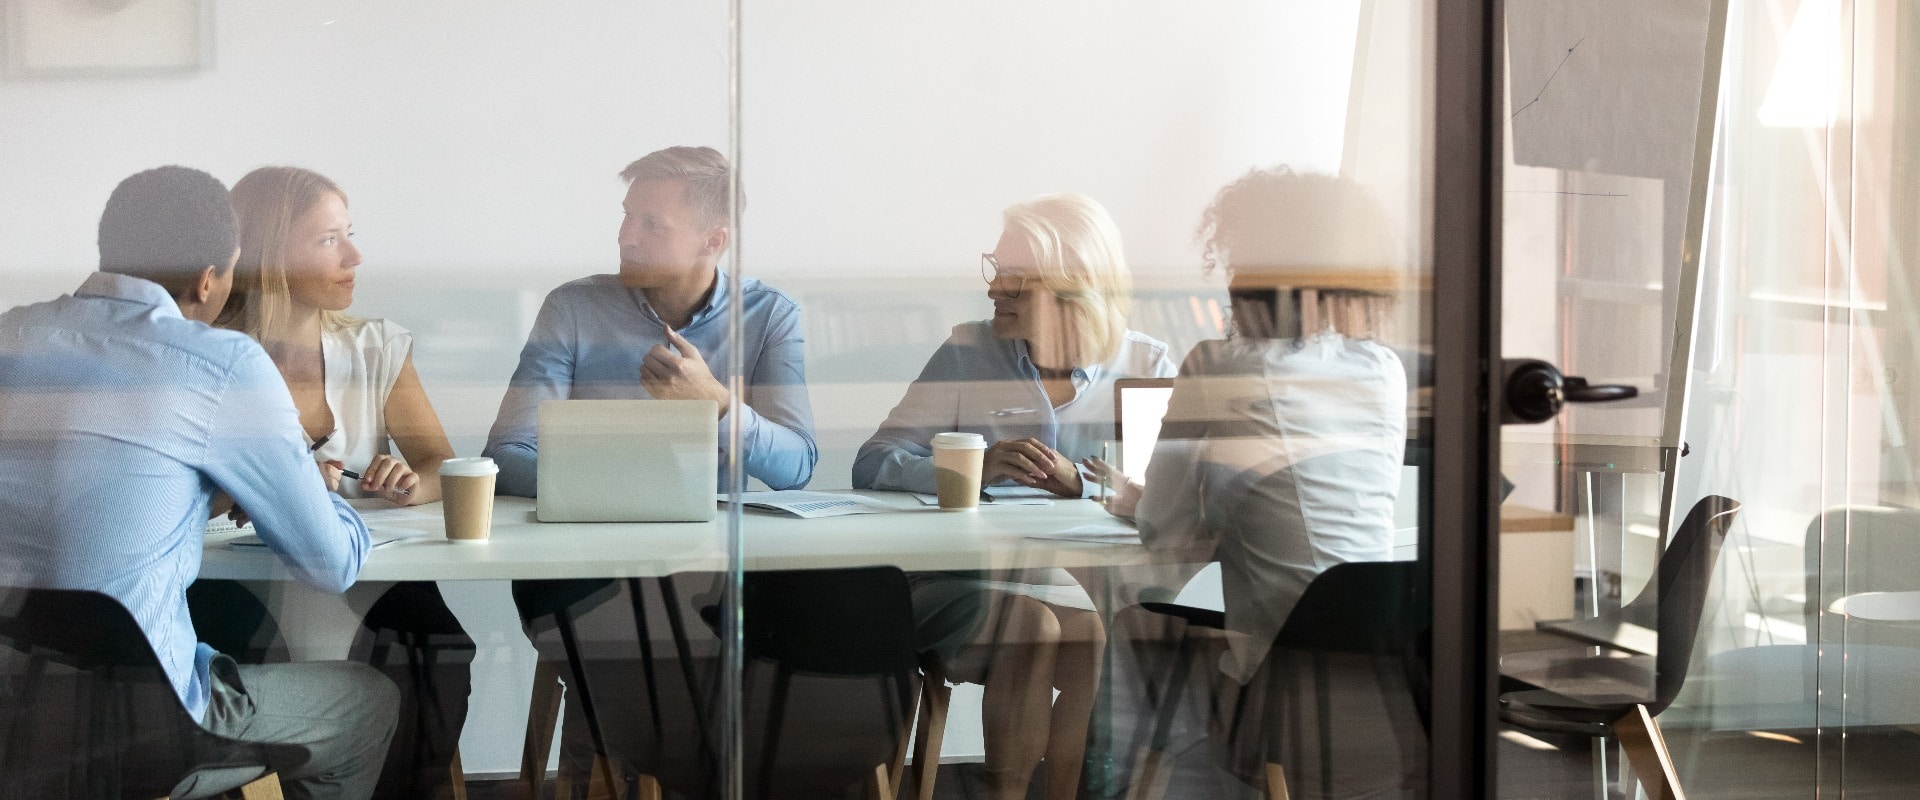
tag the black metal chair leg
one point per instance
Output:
(564, 622)
(776, 714)
(644, 632)
(683, 649)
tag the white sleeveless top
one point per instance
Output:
(362, 358)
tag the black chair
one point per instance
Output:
(86, 710)
(1366, 614)
(836, 624)
(1675, 603)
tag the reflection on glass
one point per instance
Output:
(1280, 457)
(1036, 383)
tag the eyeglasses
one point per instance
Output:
(990, 271)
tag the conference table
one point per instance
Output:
(1067, 533)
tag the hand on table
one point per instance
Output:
(1030, 462)
(390, 478)
(1126, 491)
(683, 375)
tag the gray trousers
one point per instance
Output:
(323, 726)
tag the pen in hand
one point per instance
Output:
(347, 473)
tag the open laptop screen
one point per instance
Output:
(1138, 406)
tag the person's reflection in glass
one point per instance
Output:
(1037, 382)
(1282, 446)
(353, 381)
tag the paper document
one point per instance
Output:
(812, 505)
(396, 514)
(1002, 496)
(373, 538)
(1105, 533)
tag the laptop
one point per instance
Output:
(627, 460)
(1139, 404)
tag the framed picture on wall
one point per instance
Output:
(106, 38)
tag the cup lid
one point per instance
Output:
(960, 440)
(469, 467)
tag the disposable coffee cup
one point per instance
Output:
(466, 494)
(957, 459)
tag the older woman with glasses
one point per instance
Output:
(1037, 381)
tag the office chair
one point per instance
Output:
(1374, 613)
(419, 644)
(835, 624)
(86, 710)
(1676, 602)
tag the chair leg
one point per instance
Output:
(266, 787)
(648, 788)
(878, 787)
(1646, 750)
(543, 715)
(457, 777)
(1276, 782)
(935, 695)
(1150, 775)
(897, 767)
(603, 784)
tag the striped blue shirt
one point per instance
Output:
(119, 419)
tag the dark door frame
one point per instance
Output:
(1463, 483)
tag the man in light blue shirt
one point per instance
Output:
(658, 329)
(122, 414)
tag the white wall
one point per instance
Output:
(478, 142)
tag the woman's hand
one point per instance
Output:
(1126, 491)
(1030, 462)
(389, 478)
(330, 471)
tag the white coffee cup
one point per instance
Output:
(466, 493)
(957, 462)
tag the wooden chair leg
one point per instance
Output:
(265, 787)
(543, 715)
(604, 784)
(934, 697)
(1150, 775)
(878, 787)
(649, 788)
(896, 769)
(1276, 782)
(457, 777)
(1646, 750)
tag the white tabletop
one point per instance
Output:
(1880, 606)
(915, 537)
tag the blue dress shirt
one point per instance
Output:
(977, 383)
(587, 344)
(119, 418)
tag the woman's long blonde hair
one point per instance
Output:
(269, 201)
(1078, 251)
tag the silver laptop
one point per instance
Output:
(628, 460)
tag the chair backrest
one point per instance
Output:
(831, 621)
(85, 708)
(1679, 595)
(1359, 607)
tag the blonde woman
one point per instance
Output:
(1037, 381)
(353, 381)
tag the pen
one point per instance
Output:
(347, 473)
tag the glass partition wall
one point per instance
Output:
(1115, 324)
(1799, 681)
